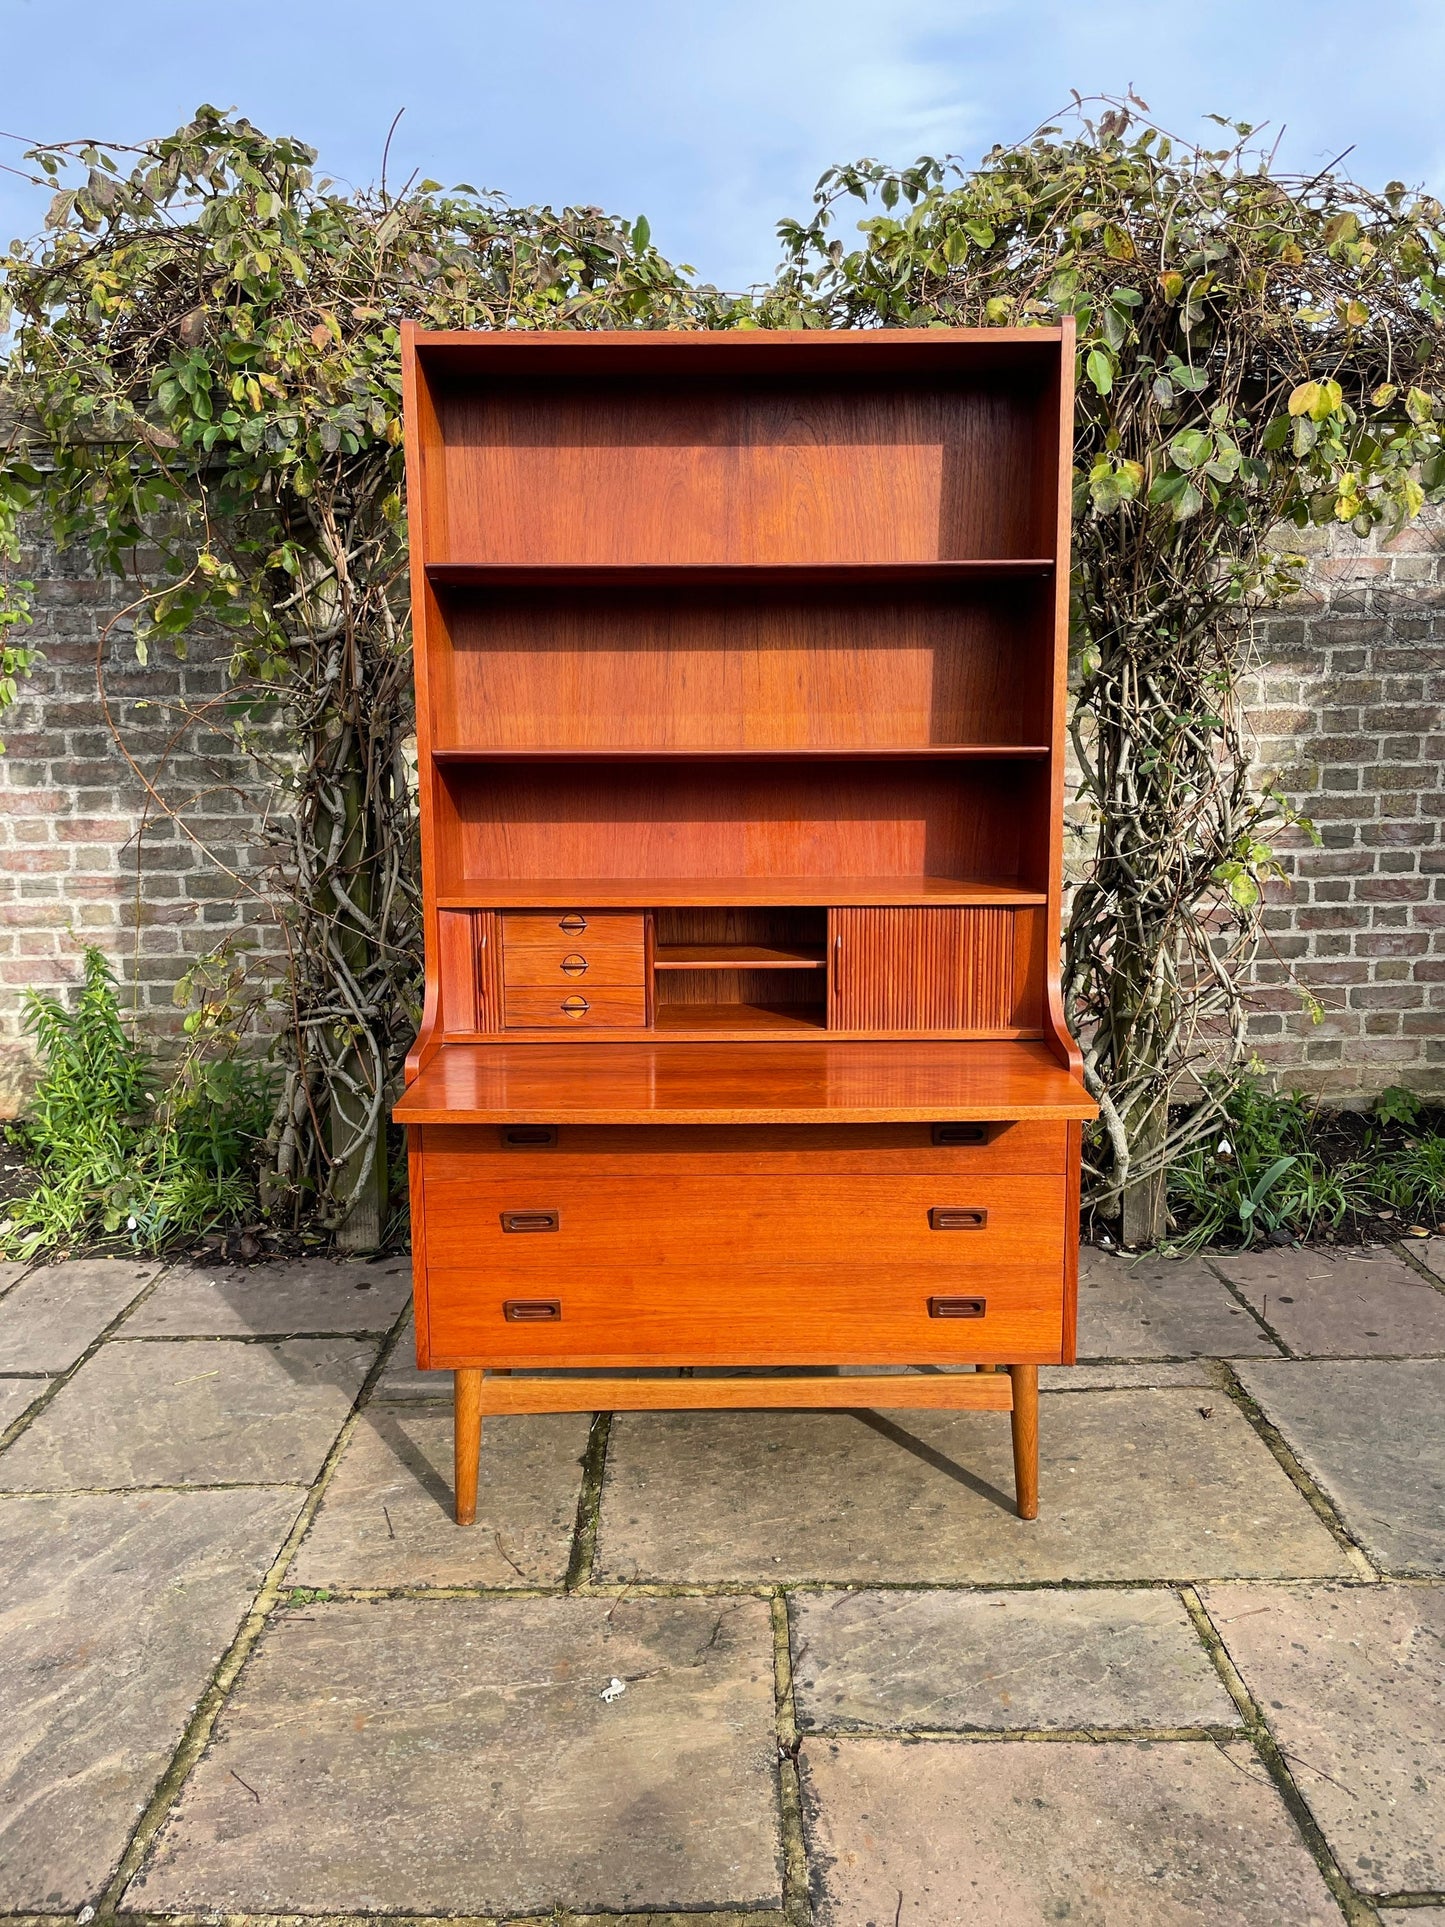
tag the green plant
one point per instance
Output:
(1253, 350)
(122, 1156)
(1279, 1166)
(207, 344)
(1412, 1178)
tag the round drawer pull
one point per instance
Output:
(574, 923)
(574, 965)
(575, 1006)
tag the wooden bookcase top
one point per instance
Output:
(747, 633)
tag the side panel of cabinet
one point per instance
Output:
(930, 968)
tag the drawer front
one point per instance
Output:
(471, 1151)
(569, 1008)
(622, 929)
(711, 1315)
(580, 963)
(949, 1225)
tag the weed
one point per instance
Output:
(123, 1157)
(1284, 1168)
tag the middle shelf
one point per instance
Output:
(735, 956)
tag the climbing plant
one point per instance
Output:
(206, 348)
(1256, 351)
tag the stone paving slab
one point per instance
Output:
(1372, 1434)
(456, 1756)
(1134, 1485)
(1341, 1304)
(387, 1518)
(16, 1394)
(114, 1610)
(1352, 1682)
(258, 1301)
(1017, 1833)
(959, 1661)
(1161, 1308)
(400, 1377)
(47, 1321)
(197, 1412)
(1116, 1376)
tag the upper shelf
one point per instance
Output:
(874, 753)
(741, 575)
(641, 893)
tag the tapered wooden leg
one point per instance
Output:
(467, 1440)
(1025, 1423)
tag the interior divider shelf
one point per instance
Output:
(892, 753)
(722, 575)
(626, 893)
(734, 956)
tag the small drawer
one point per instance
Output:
(968, 1151)
(581, 964)
(598, 1006)
(562, 929)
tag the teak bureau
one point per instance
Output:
(740, 666)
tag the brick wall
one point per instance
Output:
(84, 857)
(1346, 706)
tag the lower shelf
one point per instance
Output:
(807, 1019)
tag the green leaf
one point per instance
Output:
(1100, 370)
(1420, 407)
(641, 233)
(1190, 449)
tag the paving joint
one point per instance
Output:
(1356, 1909)
(219, 1686)
(1402, 1249)
(1042, 1735)
(1314, 1495)
(589, 1505)
(797, 1900)
(1239, 1298)
(60, 1380)
(244, 1338)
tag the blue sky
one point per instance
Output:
(712, 119)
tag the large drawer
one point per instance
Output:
(471, 1151)
(717, 1315)
(552, 1225)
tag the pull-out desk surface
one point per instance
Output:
(782, 1083)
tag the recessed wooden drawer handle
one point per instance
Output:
(532, 1311)
(575, 1006)
(574, 965)
(574, 923)
(516, 1136)
(961, 1133)
(957, 1217)
(957, 1307)
(531, 1220)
